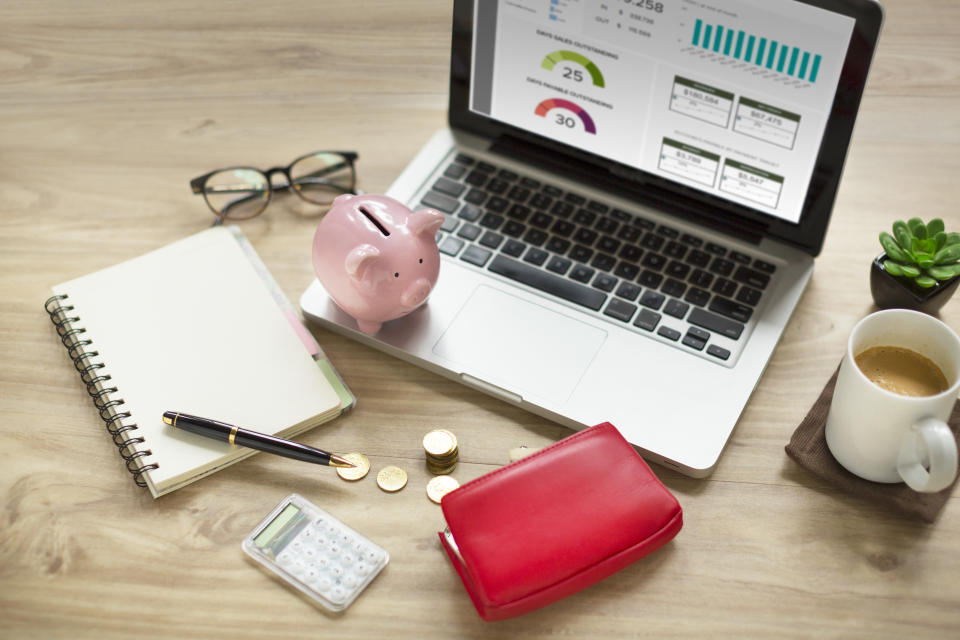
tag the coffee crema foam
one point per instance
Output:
(902, 371)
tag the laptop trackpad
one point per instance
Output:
(519, 346)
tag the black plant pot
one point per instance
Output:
(892, 292)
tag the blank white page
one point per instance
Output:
(193, 328)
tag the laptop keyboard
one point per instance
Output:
(652, 278)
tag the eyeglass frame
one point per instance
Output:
(198, 184)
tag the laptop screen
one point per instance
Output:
(731, 98)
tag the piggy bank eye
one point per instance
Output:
(396, 275)
(421, 260)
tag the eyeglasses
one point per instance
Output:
(240, 193)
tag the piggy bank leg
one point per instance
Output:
(369, 327)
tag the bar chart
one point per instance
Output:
(761, 51)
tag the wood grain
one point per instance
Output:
(108, 109)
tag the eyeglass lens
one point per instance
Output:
(321, 177)
(237, 193)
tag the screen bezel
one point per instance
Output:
(807, 234)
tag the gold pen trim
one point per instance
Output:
(171, 422)
(233, 434)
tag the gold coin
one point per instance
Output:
(441, 486)
(439, 442)
(357, 472)
(392, 478)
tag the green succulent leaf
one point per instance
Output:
(947, 255)
(953, 238)
(917, 228)
(910, 271)
(940, 239)
(891, 248)
(925, 281)
(926, 263)
(902, 233)
(944, 273)
(892, 268)
(934, 227)
(916, 248)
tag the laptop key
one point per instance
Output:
(652, 299)
(476, 178)
(491, 220)
(451, 246)
(650, 279)
(647, 320)
(476, 255)
(629, 234)
(584, 217)
(599, 207)
(693, 241)
(654, 261)
(716, 249)
(718, 352)
(575, 199)
(449, 224)
(530, 183)
(519, 212)
(470, 213)
(621, 215)
(582, 273)
(694, 342)
(668, 232)
(668, 333)
(677, 269)
(562, 209)
(673, 288)
(536, 256)
(697, 296)
(620, 310)
(676, 308)
(469, 231)
(742, 258)
(699, 333)
(605, 282)
(559, 265)
(717, 324)
(608, 244)
(585, 236)
(626, 270)
(449, 187)
(514, 229)
(552, 191)
(455, 171)
(535, 237)
(506, 174)
(563, 228)
(541, 220)
(698, 258)
(724, 287)
(548, 282)
(580, 253)
(498, 186)
(731, 309)
(514, 248)
(652, 241)
(491, 240)
(607, 225)
(463, 158)
(752, 278)
(497, 204)
(749, 296)
(628, 291)
(541, 201)
(475, 196)
(721, 267)
(519, 194)
(557, 245)
(766, 267)
(440, 201)
(603, 261)
(631, 253)
(486, 167)
(700, 278)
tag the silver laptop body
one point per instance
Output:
(663, 342)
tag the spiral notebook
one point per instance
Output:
(198, 326)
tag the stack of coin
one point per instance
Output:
(442, 451)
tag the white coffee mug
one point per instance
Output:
(887, 437)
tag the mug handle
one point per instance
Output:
(929, 439)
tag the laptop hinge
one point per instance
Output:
(630, 186)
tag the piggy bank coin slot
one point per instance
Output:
(375, 222)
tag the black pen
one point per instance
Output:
(247, 438)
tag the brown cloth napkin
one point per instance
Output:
(808, 447)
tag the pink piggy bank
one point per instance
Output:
(377, 259)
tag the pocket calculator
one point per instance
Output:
(315, 553)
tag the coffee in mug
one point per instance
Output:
(901, 371)
(895, 391)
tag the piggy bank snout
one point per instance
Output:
(414, 295)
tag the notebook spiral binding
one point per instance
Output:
(95, 380)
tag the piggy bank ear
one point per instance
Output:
(425, 222)
(360, 259)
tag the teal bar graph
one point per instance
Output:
(761, 51)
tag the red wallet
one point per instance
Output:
(555, 522)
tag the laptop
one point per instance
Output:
(634, 193)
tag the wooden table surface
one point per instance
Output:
(106, 112)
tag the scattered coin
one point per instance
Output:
(441, 486)
(357, 472)
(392, 478)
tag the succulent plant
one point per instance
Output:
(922, 253)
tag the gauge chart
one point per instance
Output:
(564, 120)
